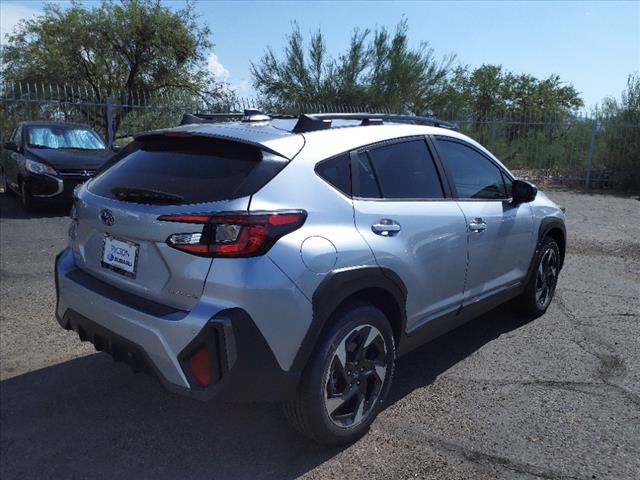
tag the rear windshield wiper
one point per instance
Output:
(143, 195)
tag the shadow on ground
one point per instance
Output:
(11, 207)
(90, 417)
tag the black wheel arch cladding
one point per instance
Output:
(341, 285)
(555, 228)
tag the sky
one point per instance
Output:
(593, 45)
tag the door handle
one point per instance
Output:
(477, 225)
(386, 227)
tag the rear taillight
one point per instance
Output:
(234, 235)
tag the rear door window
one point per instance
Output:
(364, 181)
(406, 171)
(186, 170)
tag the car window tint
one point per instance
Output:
(473, 175)
(194, 169)
(336, 172)
(406, 170)
(363, 180)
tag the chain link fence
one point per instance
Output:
(576, 150)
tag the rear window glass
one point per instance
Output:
(182, 170)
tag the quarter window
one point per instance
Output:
(473, 175)
(335, 171)
(405, 171)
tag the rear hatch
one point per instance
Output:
(121, 240)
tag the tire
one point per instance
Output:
(25, 197)
(349, 375)
(539, 291)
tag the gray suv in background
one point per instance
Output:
(296, 259)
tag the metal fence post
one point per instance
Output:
(109, 106)
(592, 142)
(492, 141)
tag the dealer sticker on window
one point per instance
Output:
(120, 255)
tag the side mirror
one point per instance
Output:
(115, 148)
(523, 192)
(10, 146)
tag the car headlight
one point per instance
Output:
(37, 167)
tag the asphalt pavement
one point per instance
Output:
(501, 397)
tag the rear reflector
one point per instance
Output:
(233, 235)
(201, 366)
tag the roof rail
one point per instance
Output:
(311, 123)
(368, 119)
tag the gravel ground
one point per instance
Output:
(557, 398)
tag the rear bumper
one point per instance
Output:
(159, 340)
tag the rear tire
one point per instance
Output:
(539, 291)
(348, 378)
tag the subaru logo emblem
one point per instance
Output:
(107, 217)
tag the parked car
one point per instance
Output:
(44, 161)
(290, 260)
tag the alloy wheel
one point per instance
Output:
(546, 277)
(355, 377)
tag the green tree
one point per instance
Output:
(378, 70)
(129, 49)
(618, 136)
(489, 91)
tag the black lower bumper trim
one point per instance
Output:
(248, 368)
(120, 348)
(245, 366)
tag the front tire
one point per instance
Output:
(539, 292)
(347, 380)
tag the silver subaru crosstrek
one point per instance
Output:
(295, 259)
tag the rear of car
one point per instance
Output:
(163, 251)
